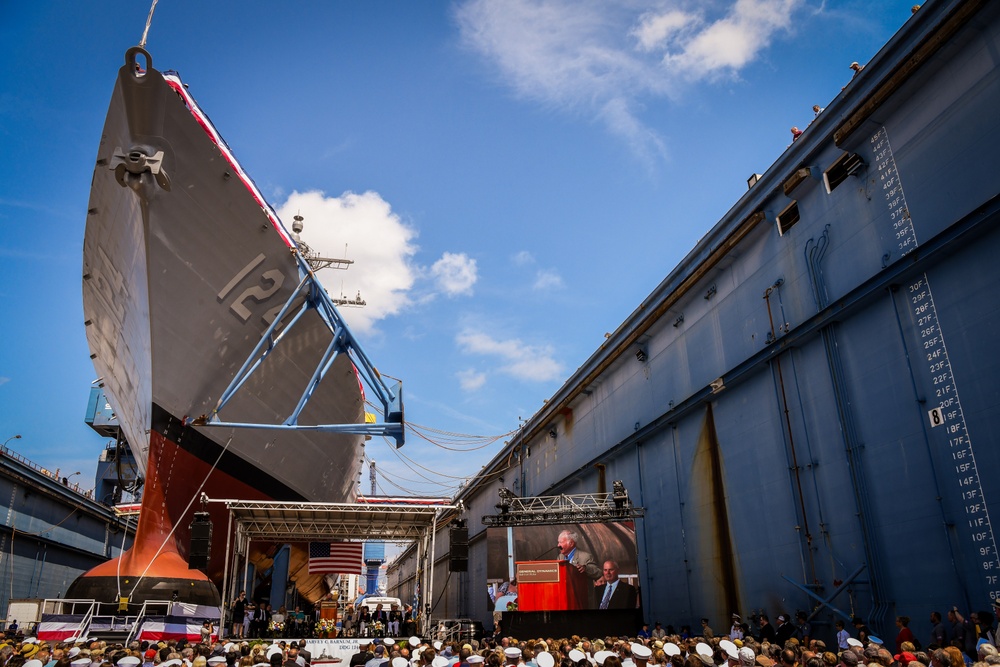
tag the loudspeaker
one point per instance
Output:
(458, 554)
(201, 541)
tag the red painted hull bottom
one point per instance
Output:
(156, 566)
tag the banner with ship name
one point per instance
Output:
(335, 557)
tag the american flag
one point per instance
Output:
(335, 558)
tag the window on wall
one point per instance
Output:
(844, 166)
(788, 217)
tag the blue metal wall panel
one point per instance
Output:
(879, 483)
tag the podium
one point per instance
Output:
(551, 585)
(328, 610)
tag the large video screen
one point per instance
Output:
(563, 567)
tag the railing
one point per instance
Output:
(105, 615)
(88, 618)
(143, 611)
(86, 493)
(67, 606)
(461, 630)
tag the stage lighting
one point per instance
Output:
(619, 495)
(506, 499)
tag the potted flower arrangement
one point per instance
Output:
(379, 629)
(326, 628)
(276, 628)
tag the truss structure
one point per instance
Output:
(578, 508)
(314, 522)
(371, 518)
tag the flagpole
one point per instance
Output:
(225, 580)
(430, 586)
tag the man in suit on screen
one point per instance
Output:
(584, 573)
(615, 593)
(581, 560)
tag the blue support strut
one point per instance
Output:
(342, 342)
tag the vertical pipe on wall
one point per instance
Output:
(805, 550)
(853, 445)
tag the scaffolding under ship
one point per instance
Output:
(227, 364)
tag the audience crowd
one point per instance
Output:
(954, 641)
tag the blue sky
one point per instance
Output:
(511, 178)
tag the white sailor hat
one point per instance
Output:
(229, 647)
(545, 659)
(80, 662)
(601, 656)
(399, 661)
(512, 652)
(437, 645)
(389, 641)
(29, 640)
(671, 649)
(220, 660)
(703, 649)
(641, 651)
(273, 649)
(476, 659)
(856, 643)
(414, 641)
(439, 661)
(128, 660)
(730, 649)
(576, 655)
(747, 657)
(75, 651)
(34, 662)
(171, 663)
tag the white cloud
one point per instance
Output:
(455, 273)
(602, 58)
(376, 239)
(4, 380)
(525, 362)
(545, 279)
(732, 41)
(523, 258)
(656, 29)
(548, 279)
(470, 379)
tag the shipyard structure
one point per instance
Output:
(53, 531)
(806, 407)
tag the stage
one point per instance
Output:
(591, 623)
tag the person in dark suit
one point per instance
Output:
(380, 616)
(306, 655)
(395, 619)
(363, 655)
(614, 593)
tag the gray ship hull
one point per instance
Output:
(185, 266)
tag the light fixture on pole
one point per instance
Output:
(13, 437)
